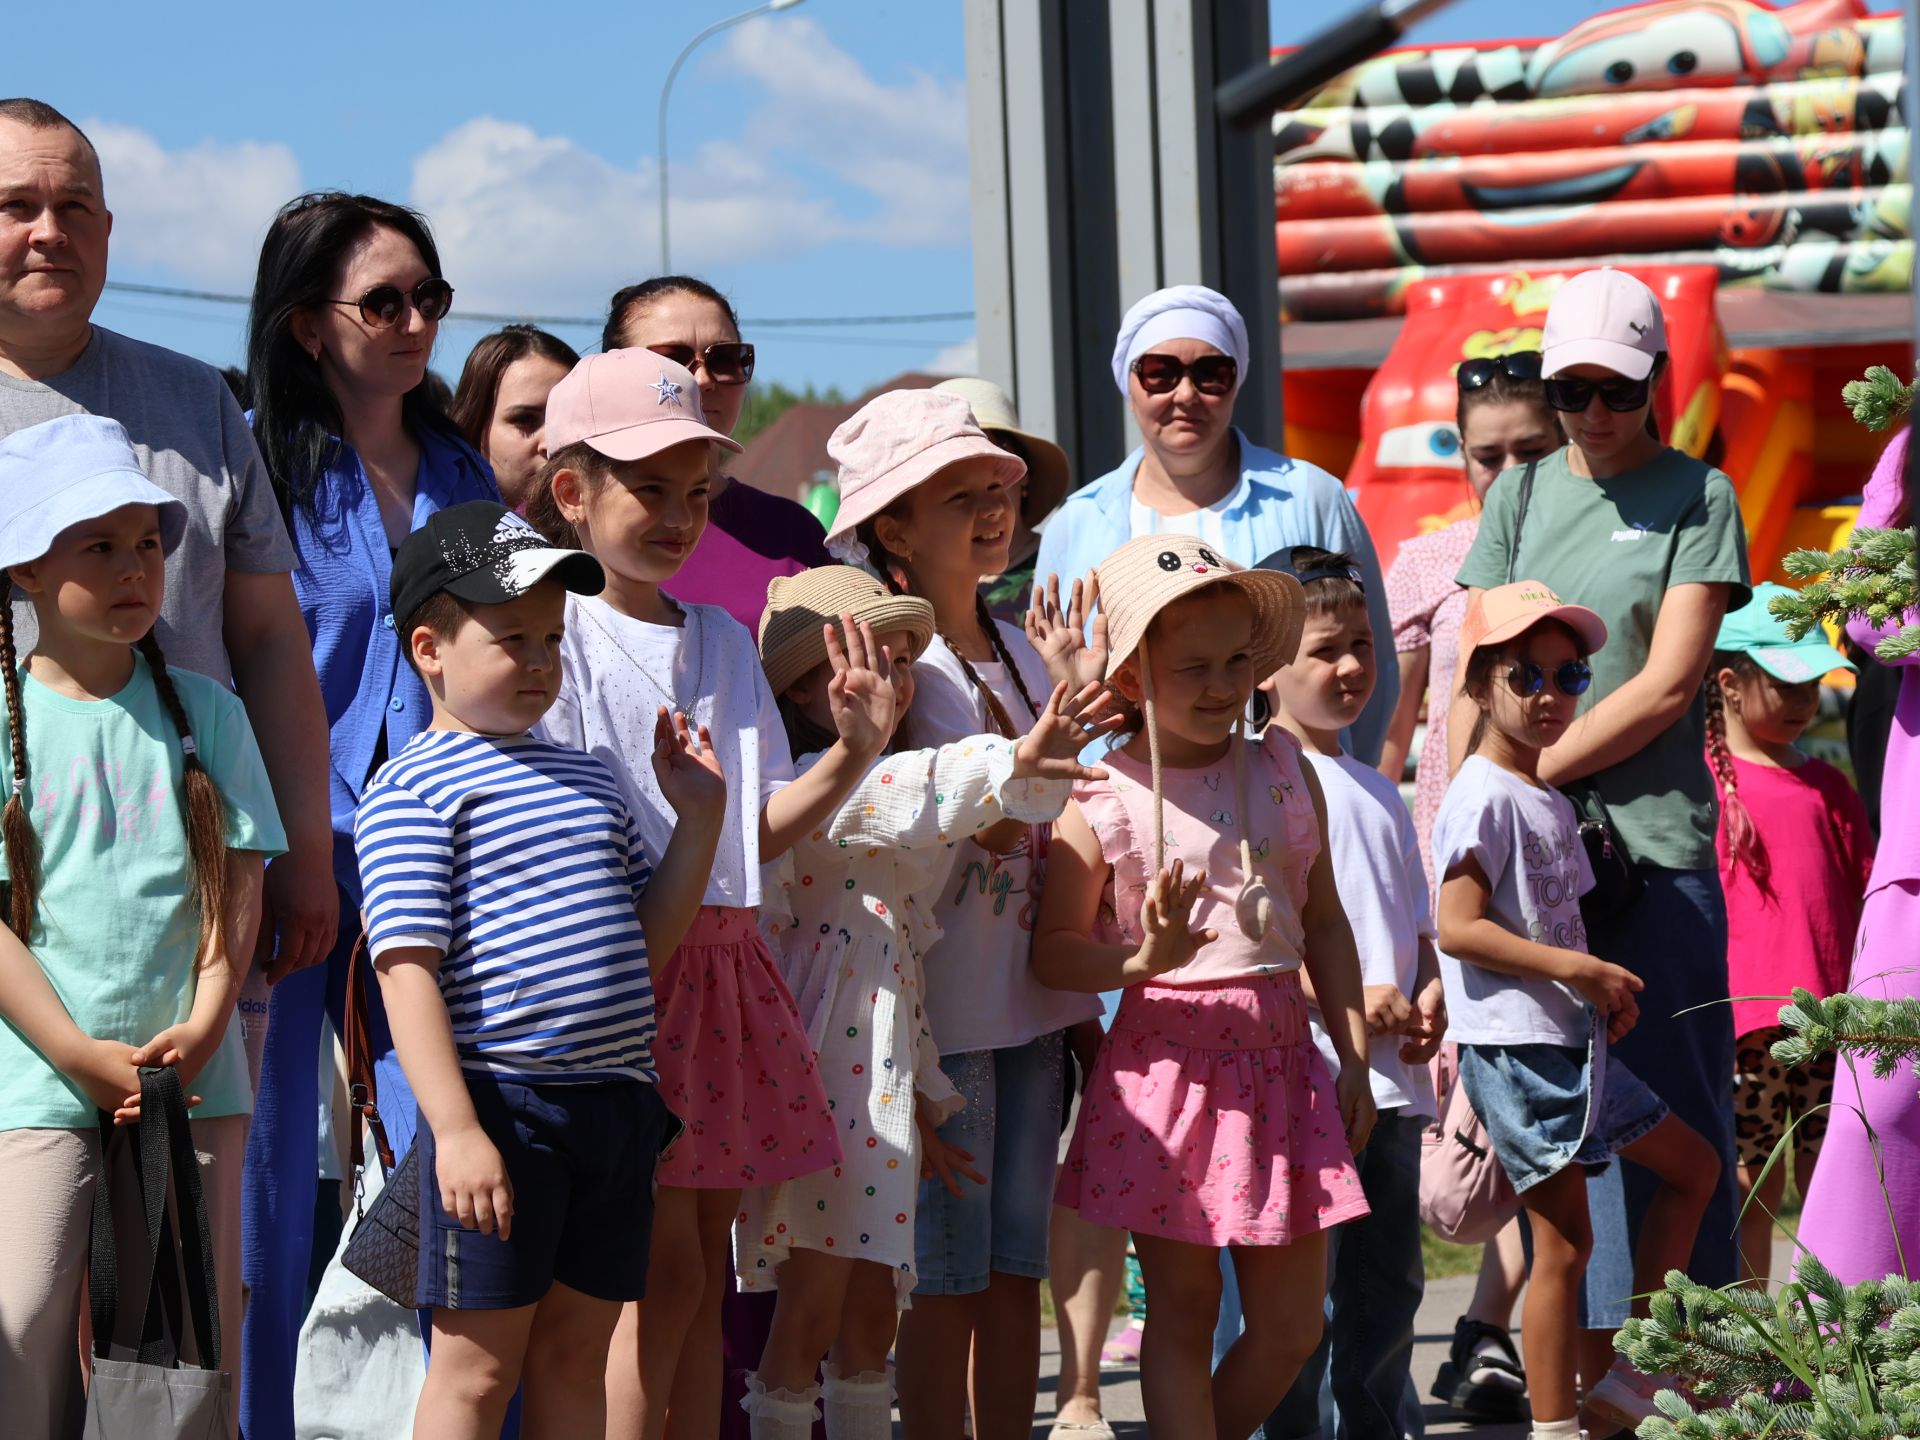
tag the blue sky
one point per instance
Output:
(817, 158)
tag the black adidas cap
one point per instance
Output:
(483, 553)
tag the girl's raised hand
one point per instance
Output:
(1072, 655)
(688, 773)
(1167, 943)
(1050, 749)
(861, 692)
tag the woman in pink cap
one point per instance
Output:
(1651, 539)
(928, 502)
(629, 477)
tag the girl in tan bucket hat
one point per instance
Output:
(1196, 877)
(840, 1242)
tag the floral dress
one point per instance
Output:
(862, 898)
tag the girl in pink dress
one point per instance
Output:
(1210, 1120)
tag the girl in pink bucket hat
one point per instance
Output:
(929, 503)
(1196, 877)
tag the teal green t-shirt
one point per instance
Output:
(115, 929)
(1616, 546)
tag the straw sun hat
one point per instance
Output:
(1137, 582)
(791, 642)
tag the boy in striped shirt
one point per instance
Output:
(509, 911)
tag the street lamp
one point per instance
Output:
(666, 264)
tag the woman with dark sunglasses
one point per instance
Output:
(346, 307)
(1651, 538)
(751, 535)
(1180, 359)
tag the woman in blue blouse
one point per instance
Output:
(345, 311)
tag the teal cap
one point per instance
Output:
(1756, 632)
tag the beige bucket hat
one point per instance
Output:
(798, 606)
(1146, 575)
(1048, 474)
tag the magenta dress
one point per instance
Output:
(1427, 605)
(1846, 1222)
(1210, 1117)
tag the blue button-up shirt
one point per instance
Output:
(1281, 503)
(342, 575)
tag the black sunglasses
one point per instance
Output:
(1521, 365)
(1162, 374)
(729, 362)
(1571, 395)
(383, 305)
(1527, 679)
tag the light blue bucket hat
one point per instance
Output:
(75, 468)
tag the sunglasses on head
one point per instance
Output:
(1521, 365)
(383, 305)
(1162, 374)
(1527, 679)
(729, 362)
(1618, 395)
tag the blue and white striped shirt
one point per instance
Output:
(518, 861)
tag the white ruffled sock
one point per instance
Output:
(779, 1414)
(859, 1407)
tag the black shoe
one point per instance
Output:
(1490, 1385)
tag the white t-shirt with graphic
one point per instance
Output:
(981, 993)
(1526, 839)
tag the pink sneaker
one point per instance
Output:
(1122, 1352)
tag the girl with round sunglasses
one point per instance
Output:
(752, 536)
(1537, 1017)
(1650, 538)
(346, 308)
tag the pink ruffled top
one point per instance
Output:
(1203, 815)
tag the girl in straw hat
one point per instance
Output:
(1210, 1120)
(929, 501)
(839, 1243)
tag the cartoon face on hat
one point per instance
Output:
(1147, 574)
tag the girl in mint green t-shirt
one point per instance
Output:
(136, 823)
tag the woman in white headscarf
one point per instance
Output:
(1180, 359)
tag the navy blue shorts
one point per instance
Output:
(580, 1158)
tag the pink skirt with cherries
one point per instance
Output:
(1210, 1118)
(735, 1064)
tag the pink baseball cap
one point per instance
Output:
(1603, 317)
(628, 404)
(899, 440)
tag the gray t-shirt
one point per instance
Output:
(1526, 840)
(193, 441)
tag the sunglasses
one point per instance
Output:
(383, 305)
(1527, 679)
(1162, 374)
(730, 362)
(1619, 396)
(1521, 365)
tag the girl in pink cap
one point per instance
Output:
(1535, 1014)
(628, 481)
(929, 503)
(1210, 1121)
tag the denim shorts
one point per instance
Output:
(1011, 1127)
(1548, 1106)
(580, 1158)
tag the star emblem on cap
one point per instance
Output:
(667, 390)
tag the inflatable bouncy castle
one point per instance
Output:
(1749, 163)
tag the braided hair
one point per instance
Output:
(1744, 845)
(898, 579)
(16, 825)
(204, 813)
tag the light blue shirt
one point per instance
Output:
(1280, 503)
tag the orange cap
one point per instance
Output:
(1509, 610)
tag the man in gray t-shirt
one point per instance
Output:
(229, 611)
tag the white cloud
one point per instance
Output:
(200, 212)
(962, 358)
(529, 221)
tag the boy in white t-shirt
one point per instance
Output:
(1378, 1276)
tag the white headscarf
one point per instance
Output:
(1180, 312)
